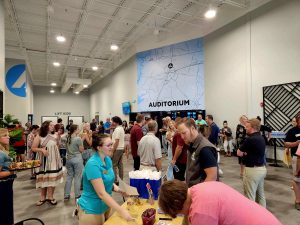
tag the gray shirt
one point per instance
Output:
(149, 149)
(73, 147)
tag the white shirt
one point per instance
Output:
(119, 134)
(149, 149)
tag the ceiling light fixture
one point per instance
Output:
(85, 85)
(76, 92)
(56, 64)
(211, 13)
(95, 68)
(60, 38)
(114, 47)
(53, 84)
(52, 91)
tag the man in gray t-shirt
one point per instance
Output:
(149, 149)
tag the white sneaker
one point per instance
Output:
(220, 171)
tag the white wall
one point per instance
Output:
(108, 95)
(20, 107)
(46, 104)
(256, 50)
(2, 49)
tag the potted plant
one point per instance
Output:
(15, 135)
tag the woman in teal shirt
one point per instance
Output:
(98, 183)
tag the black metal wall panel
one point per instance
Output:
(281, 104)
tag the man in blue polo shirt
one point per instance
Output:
(253, 153)
(215, 130)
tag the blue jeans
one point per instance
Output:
(87, 154)
(74, 167)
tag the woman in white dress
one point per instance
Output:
(49, 174)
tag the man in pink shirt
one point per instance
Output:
(212, 203)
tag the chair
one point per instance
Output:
(36, 219)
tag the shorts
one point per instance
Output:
(294, 166)
(20, 150)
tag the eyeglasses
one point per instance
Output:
(109, 145)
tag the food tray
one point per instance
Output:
(23, 168)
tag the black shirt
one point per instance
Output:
(200, 158)
(293, 135)
(93, 126)
(263, 130)
(240, 135)
(255, 147)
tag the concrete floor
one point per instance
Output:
(280, 198)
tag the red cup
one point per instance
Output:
(148, 216)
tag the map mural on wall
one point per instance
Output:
(171, 78)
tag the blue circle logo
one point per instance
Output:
(16, 80)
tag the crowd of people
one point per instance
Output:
(92, 154)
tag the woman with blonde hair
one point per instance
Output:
(86, 137)
(6, 180)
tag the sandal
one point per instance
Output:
(40, 202)
(52, 201)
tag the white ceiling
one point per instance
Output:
(91, 26)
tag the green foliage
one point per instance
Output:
(12, 153)
(8, 121)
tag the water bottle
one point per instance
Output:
(176, 168)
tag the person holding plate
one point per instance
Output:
(6, 180)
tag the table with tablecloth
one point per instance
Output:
(136, 211)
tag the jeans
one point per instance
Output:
(74, 167)
(170, 154)
(86, 155)
(164, 143)
(253, 181)
(63, 153)
(226, 143)
(118, 163)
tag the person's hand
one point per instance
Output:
(287, 151)
(45, 152)
(240, 153)
(126, 215)
(173, 162)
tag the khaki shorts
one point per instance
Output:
(92, 219)
(294, 166)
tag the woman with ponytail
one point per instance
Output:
(74, 163)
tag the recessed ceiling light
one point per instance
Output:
(53, 84)
(57, 64)
(52, 91)
(211, 13)
(76, 92)
(114, 47)
(95, 68)
(85, 85)
(60, 38)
